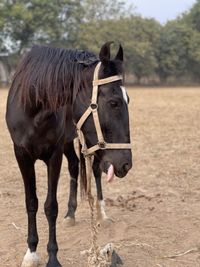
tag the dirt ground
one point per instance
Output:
(155, 209)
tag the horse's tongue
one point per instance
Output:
(110, 173)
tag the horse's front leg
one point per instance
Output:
(51, 204)
(101, 214)
(73, 166)
(26, 165)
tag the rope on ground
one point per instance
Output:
(96, 257)
(193, 250)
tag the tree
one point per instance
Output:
(141, 38)
(95, 10)
(174, 49)
(26, 22)
(194, 56)
(137, 35)
(100, 23)
(192, 20)
(1, 27)
(192, 17)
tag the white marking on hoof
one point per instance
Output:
(124, 93)
(31, 259)
(102, 218)
(69, 221)
(101, 214)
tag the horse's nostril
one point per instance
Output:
(126, 167)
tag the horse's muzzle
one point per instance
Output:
(122, 169)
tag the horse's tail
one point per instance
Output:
(83, 175)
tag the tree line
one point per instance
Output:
(170, 52)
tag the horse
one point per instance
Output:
(52, 90)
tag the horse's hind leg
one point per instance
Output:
(26, 165)
(73, 165)
(51, 204)
(101, 214)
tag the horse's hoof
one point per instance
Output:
(31, 259)
(69, 221)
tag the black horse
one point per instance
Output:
(50, 91)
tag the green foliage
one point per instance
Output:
(179, 46)
(194, 56)
(95, 10)
(138, 36)
(173, 49)
(141, 38)
(192, 18)
(41, 21)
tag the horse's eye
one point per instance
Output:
(114, 104)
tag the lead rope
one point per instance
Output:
(96, 257)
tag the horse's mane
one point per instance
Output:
(50, 77)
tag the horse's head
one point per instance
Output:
(105, 123)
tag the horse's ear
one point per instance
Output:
(120, 54)
(104, 54)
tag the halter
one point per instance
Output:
(93, 109)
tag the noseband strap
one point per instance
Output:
(93, 109)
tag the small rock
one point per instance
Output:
(116, 260)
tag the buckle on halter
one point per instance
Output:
(102, 144)
(93, 106)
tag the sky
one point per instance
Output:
(161, 10)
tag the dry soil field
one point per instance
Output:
(155, 209)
